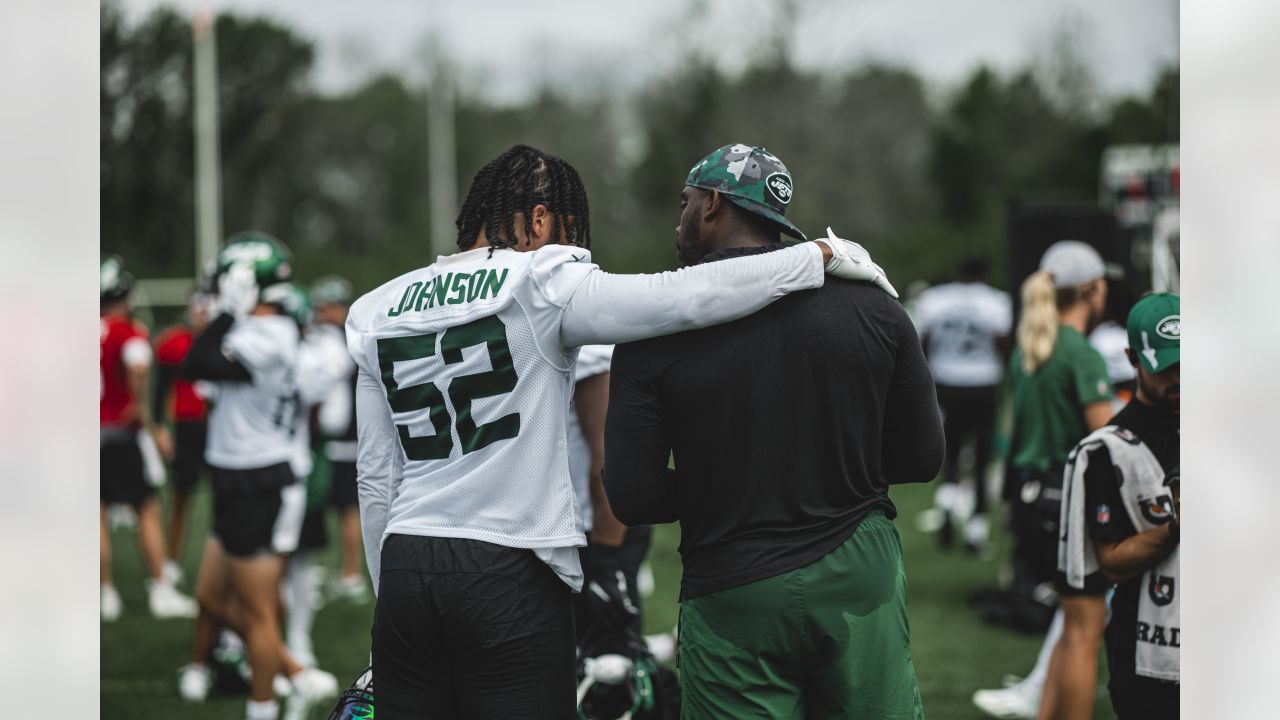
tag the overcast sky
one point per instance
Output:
(502, 48)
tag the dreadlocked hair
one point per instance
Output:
(514, 182)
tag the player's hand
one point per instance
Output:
(237, 290)
(164, 441)
(851, 261)
(606, 588)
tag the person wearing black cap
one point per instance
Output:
(787, 428)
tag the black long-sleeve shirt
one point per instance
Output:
(787, 428)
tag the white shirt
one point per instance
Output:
(592, 360)
(251, 424)
(323, 365)
(466, 373)
(962, 321)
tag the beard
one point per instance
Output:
(687, 244)
(1163, 398)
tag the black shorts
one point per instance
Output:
(1135, 698)
(1095, 583)
(121, 474)
(257, 511)
(188, 453)
(468, 629)
(342, 485)
(315, 533)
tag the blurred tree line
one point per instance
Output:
(921, 180)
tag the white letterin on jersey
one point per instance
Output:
(962, 321)
(252, 424)
(468, 353)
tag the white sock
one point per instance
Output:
(300, 583)
(262, 710)
(1036, 676)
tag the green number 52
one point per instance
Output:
(487, 331)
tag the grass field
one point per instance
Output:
(954, 652)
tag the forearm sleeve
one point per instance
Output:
(640, 488)
(608, 308)
(912, 446)
(206, 361)
(378, 467)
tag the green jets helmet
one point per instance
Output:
(332, 289)
(271, 260)
(114, 282)
(291, 298)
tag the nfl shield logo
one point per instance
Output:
(1104, 514)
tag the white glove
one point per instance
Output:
(851, 261)
(237, 290)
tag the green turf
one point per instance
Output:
(954, 652)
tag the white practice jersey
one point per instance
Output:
(466, 373)
(962, 321)
(252, 423)
(323, 365)
(592, 360)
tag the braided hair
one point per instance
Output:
(514, 182)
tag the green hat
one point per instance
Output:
(1155, 331)
(752, 178)
(331, 289)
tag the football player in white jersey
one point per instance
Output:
(250, 353)
(465, 371)
(964, 327)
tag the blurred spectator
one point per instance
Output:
(177, 401)
(130, 444)
(964, 327)
(1060, 394)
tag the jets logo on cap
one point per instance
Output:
(780, 187)
(1170, 328)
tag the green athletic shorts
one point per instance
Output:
(828, 640)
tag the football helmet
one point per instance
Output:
(271, 260)
(332, 289)
(356, 703)
(291, 298)
(114, 282)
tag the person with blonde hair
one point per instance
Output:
(1061, 393)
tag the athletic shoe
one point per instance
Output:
(976, 533)
(352, 589)
(1016, 702)
(662, 646)
(172, 573)
(310, 686)
(166, 602)
(281, 686)
(194, 682)
(112, 606)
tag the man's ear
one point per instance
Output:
(712, 205)
(1132, 356)
(541, 223)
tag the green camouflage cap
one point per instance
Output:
(752, 178)
(1155, 331)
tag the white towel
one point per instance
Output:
(1149, 504)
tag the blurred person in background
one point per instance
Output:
(250, 351)
(1111, 340)
(323, 366)
(467, 506)
(1061, 393)
(1121, 519)
(965, 328)
(336, 426)
(177, 400)
(787, 428)
(131, 441)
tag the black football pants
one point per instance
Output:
(468, 629)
